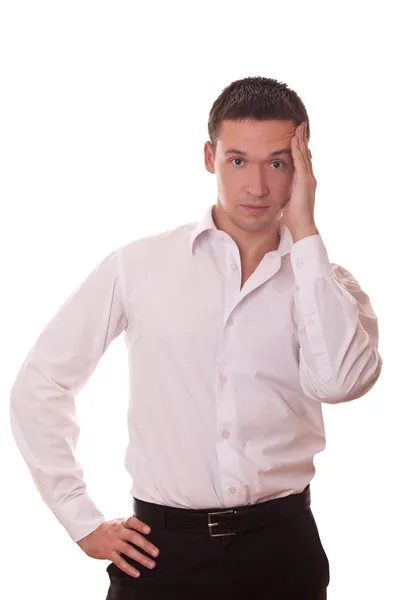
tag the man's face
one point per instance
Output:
(256, 176)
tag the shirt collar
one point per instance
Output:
(207, 223)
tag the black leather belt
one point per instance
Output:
(222, 521)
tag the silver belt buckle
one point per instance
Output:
(211, 525)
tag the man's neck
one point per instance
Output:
(252, 246)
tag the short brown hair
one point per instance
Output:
(256, 98)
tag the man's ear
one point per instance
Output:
(208, 157)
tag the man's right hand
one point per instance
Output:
(110, 539)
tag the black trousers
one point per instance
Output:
(281, 561)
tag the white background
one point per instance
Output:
(103, 110)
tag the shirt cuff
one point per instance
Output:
(310, 259)
(79, 516)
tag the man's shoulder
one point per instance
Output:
(160, 241)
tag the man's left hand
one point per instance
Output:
(298, 214)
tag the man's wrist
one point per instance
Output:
(304, 232)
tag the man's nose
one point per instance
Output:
(258, 185)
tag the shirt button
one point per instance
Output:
(222, 237)
(233, 267)
(311, 320)
(299, 263)
(225, 434)
(230, 321)
(232, 490)
(224, 378)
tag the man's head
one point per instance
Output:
(250, 121)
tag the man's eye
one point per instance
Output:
(235, 159)
(273, 162)
(278, 161)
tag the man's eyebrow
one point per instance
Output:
(274, 153)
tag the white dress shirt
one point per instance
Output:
(226, 384)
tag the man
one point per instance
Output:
(238, 328)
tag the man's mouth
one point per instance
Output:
(255, 208)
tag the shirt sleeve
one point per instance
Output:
(337, 327)
(42, 404)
